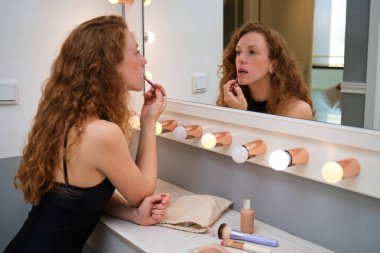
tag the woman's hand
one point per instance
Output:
(154, 103)
(152, 210)
(233, 95)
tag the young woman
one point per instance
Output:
(259, 74)
(78, 148)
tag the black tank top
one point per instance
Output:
(64, 219)
(253, 105)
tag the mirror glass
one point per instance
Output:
(184, 43)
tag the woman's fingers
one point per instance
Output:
(156, 211)
(228, 87)
(161, 89)
(162, 201)
(157, 217)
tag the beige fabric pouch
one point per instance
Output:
(195, 213)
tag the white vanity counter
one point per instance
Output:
(116, 235)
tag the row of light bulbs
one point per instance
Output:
(332, 172)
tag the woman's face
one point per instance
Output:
(252, 58)
(131, 68)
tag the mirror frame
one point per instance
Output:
(372, 94)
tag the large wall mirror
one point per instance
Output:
(330, 39)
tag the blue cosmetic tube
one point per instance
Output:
(237, 235)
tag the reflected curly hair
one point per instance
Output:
(287, 80)
(83, 83)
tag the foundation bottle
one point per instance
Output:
(247, 217)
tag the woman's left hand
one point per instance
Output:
(153, 208)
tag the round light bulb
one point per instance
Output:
(134, 121)
(208, 140)
(332, 172)
(147, 2)
(148, 75)
(158, 128)
(149, 37)
(180, 133)
(113, 1)
(239, 154)
(279, 160)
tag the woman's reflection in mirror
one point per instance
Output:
(260, 74)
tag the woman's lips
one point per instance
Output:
(241, 71)
(241, 74)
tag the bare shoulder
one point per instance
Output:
(101, 132)
(297, 108)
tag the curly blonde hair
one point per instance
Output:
(287, 80)
(83, 83)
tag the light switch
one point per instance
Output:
(8, 92)
(199, 82)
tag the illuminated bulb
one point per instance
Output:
(282, 159)
(149, 37)
(134, 121)
(211, 140)
(333, 172)
(247, 151)
(113, 1)
(158, 128)
(208, 140)
(148, 75)
(147, 2)
(187, 132)
(279, 160)
(168, 125)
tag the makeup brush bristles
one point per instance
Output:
(224, 231)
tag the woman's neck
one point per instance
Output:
(260, 90)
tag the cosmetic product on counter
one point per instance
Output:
(212, 248)
(244, 246)
(225, 232)
(247, 217)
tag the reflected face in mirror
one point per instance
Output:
(252, 62)
(269, 78)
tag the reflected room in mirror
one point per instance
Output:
(189, 38)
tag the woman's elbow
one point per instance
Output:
(136, 201)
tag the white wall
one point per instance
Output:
(177, 54)
(32, 32)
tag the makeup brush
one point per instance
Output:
(245, 246)
(152, 84)
(225, 232)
